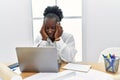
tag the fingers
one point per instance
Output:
(59, 31)
(43, 27)
(43, 32)
(58, 23)
(58, 27)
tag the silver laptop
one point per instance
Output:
(37, 59)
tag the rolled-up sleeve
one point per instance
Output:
(66, 49)
(39, 42)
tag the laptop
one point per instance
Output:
(37, 59)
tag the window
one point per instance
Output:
(71, 23)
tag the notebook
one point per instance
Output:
(37, 59)
(77, 67)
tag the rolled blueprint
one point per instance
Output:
(7, 74)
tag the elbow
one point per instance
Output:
(69, 57)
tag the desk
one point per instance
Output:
(96, 66)
(27, 74)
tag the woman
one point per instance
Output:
(51, 34)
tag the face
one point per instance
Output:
(50, 27)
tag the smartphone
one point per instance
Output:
(13, 65)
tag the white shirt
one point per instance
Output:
(65, 46)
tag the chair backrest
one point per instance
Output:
(112, 50)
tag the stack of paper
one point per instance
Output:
(64, 75)
(72, 75)
(94, 75)
(76, 72)
(77, 67)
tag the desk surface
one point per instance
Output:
(96, 66)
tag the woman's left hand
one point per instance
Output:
(58, 32)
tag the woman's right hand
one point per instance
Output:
(43, 33)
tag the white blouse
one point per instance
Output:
(65, 46)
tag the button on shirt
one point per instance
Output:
(65, 46)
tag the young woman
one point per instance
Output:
(52, 34)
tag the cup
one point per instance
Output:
(111, 65)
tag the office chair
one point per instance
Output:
(112, 50)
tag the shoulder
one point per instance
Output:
(66, 36)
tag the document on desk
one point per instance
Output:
(77, 67)
(64, 75)
(94, 75)
(72, 75)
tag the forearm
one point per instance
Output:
(66, 52)
(40, 43)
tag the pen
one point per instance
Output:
(108, 56)
(104, 56)
(111, 60)
(113, 56)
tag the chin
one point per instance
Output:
(51, 36)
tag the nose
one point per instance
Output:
(49, 30)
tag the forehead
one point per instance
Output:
(50, 21)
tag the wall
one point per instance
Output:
(101, 27)
(15, 27)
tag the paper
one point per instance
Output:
(7, 74)
(72, 75)
(64, 75)
(94, 75)
(41, 76)
(77, 67)
(16, 70)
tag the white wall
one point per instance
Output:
(15, 27)
(101, 27)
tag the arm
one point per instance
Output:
(66, 48)
(41, 40)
